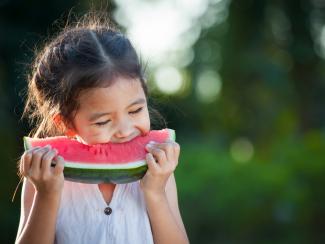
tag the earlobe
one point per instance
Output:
(70, 133)
(58, 122)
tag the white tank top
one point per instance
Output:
(85, 217)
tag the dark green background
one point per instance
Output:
(273, 93)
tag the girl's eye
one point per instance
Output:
(102, 123)
(136, 111)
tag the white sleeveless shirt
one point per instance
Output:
(85, 217)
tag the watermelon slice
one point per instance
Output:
(109, 162)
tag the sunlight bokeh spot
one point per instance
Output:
(208, 86)
(156, 32)
(168, 80)
(242, 150)
(162, 27)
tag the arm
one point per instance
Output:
(40, 197)
(165, 219)
(38, 216)
(160, 194)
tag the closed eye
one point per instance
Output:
(102, 123)
(136, 111)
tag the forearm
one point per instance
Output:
(40, 225)
(164, 226)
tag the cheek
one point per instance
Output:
(145, 121)
(80, 127)
(98, 135)
(92, 134)
(102, 138)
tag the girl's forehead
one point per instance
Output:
(121, 92)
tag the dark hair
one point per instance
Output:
(88, 54)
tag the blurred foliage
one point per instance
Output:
(273, 85)
(274, 198)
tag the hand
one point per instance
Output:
(162, 160)
(35, 165)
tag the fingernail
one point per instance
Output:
(152, 142)
(149, 145)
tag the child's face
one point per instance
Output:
(117, 113)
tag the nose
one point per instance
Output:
(124, 129)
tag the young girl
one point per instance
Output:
(88, 84)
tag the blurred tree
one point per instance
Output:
(267, 60)
(272, 78)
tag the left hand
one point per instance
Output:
(162, 159)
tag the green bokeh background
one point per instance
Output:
(273, 94)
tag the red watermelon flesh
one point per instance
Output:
(108, 162)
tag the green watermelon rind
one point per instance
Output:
(98, 173)
(117, 176)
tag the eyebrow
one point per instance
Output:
(95, 116)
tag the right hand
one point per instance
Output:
(36, 166)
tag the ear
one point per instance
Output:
(58, 122)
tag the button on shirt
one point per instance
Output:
(107, 210)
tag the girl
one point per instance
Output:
(88, 84)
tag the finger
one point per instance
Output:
(151, 162)
(177, 150)
(26, 160)
(47, 160)
(59, 166)
(37, 159)
(173, 149)
(33, 149)
(25, 163)
(168, 148)
(158, 154)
